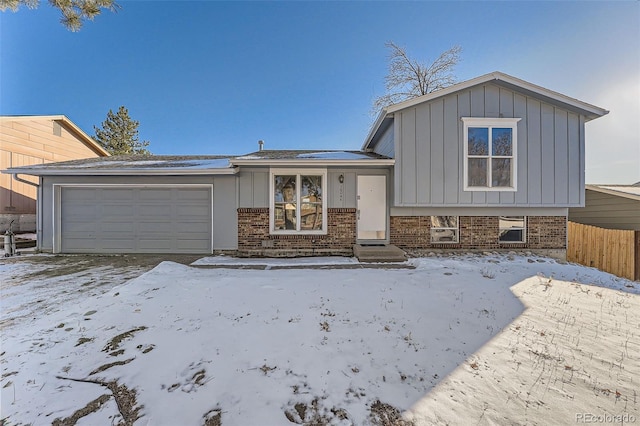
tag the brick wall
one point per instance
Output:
(479, 232)
(254, 238)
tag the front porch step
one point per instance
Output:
(375, 254)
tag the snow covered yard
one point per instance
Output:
(463, 339)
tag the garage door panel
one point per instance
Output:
(81, 195)
(117, 210)
(155, 210)
(119, 244)
(193, 194)
(121, 228)
(157, 194)
(136, 220)
(117, 194)
(187, 244)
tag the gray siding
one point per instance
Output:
(385, 144)
(608, 211)
(224, 203)
(254, 186)
(429, 151)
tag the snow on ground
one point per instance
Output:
(461, 340)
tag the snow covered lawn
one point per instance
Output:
(467, 339)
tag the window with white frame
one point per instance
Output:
(490, 153)
(513, 229)
(444, 229)
(298, 204)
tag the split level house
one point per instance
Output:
(29, 140)
(487, 164)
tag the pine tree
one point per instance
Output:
(119, 134)
(74, 12)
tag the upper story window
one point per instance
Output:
(490, 154)
(298, 204)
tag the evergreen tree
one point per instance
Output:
(119, 134)
(74, 12)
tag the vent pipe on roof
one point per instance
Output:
(260, 144)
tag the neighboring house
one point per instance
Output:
(490, 163)
(610, 206)
(28, 140)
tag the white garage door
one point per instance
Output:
(136, 219)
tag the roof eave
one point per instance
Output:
(312, 162)
(374, 129)
(590, 111)
(120, 172)
(597, 188)
(88, 140)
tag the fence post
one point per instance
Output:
(636, 254)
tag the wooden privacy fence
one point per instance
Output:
(610, 250)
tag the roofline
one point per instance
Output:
(374, 128)
(592, 111)
(120, 172)
(613, 192)
(88, 140)
(312, 162)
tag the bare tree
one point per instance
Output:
(74, 12)
(409, 78)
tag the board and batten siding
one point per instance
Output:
(429, 151)
(607, 211)
(385, 144)
(225, 229)
(254, 185)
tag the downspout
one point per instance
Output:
(38, 209)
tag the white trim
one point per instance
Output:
(57, 203)
(298, 173)
(590, 111)
(490, 123)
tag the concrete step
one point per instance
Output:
(382, 253)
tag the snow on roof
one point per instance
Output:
(155, 164)
(336, 155)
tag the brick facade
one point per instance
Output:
(479, 233)
(406, 232)
(254, 238)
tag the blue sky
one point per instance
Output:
(207, 77)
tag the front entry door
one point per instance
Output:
(372, 208)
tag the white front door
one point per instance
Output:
(372, 208)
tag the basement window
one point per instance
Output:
(444, 229)
(512, 229)
(298, 205)
(490, 154)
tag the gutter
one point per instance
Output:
(19, 179)
(38, 208)
(111, 172)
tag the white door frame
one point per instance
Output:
(371, 213)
